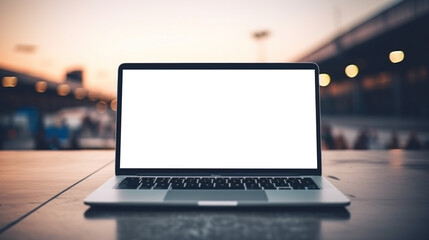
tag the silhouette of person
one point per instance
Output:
(413, 142)
(340, 142)
(393, 142)
(362, 140)
(327, 138)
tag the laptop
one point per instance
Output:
(218, 135)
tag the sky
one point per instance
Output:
(46, 38)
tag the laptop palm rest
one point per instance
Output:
(215, 195)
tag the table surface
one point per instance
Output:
(42, 192)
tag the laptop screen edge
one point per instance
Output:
(220, 172)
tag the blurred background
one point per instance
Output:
(59, 59)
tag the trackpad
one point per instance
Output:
(215, 195)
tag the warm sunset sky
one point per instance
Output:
(99, 35)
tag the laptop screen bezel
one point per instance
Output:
(215, 172)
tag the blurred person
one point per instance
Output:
(109, 130)
(340, 141)
(327, 138)
(58, 135)
(393, 142)
(413, 142)
(90, 128)
(362, 141)
(40, 139)
(74, 141)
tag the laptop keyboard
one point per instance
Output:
(225, 183)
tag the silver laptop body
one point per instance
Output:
(218, 134)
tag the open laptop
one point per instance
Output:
(218, 134)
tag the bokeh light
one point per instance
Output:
(324, 79)
(41, 86)
(63, 89)
(396, 56)
(352, 70)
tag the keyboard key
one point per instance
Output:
(129, 183)
(252, 186)
(191, 185)
(162, 180)
(177, 180)
(220, 180)
(162, 185)
(264, 180)
(178, 186)
(221, 185)
(237, 186)
(267, 186)
(249, 180)
(147, 180)
(207, 185)
(146, 186)
(235, 180)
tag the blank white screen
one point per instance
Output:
(218, 119)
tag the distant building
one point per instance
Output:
(26, 102)
(379, 67)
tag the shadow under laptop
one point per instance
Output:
(218, 223)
